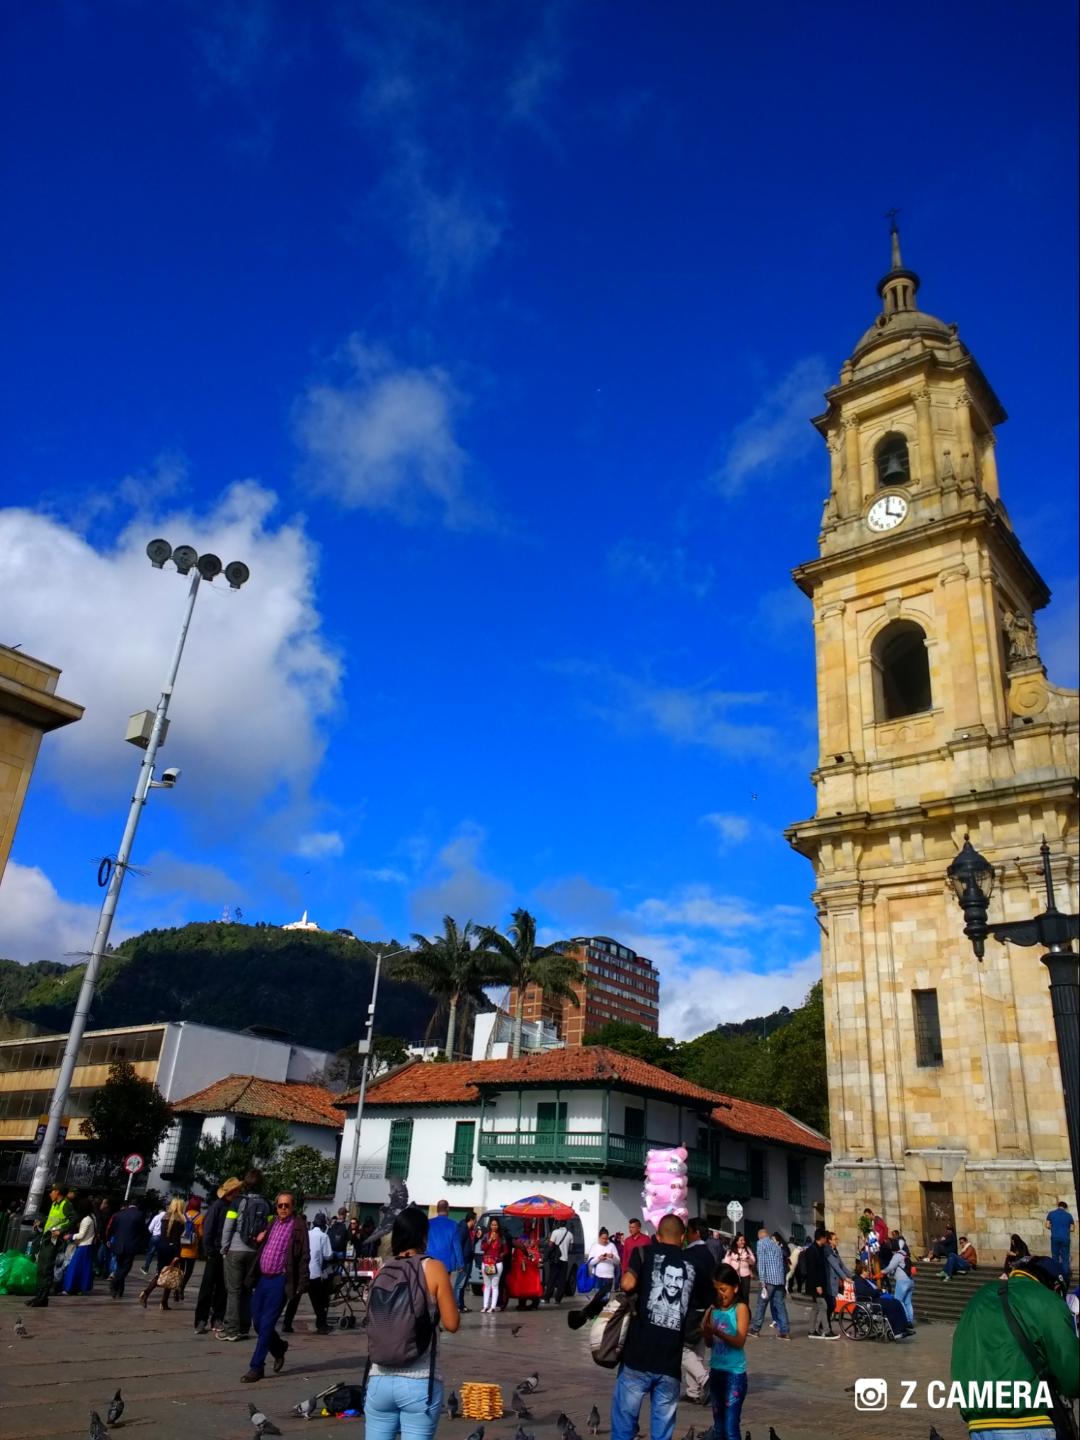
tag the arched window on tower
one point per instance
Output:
(901, 671)
(891, 461)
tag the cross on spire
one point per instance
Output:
(894, 232)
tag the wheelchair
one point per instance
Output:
(863, 1320)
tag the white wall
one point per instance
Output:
(195, 1056)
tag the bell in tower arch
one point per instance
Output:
(892, 462)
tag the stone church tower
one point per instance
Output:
(936, 718)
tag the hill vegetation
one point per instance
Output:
(312, 987)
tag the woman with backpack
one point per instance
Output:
(190, 1236)
(403, 1387)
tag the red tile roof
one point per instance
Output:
(461, 1083)
(766, 1122)
(269, 1099)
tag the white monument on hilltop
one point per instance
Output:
(302, 924)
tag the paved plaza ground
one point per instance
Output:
(182, 1387)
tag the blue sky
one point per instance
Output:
(488, 335)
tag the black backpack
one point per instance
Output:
(252, 1218)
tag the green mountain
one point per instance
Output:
(312, 987)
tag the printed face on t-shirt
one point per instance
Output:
(669, 1296)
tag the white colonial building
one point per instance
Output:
(576, 1125)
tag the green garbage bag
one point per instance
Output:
(18, 1273)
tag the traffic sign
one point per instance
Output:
(734, 1211)
(134, 1163)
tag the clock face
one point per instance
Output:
(887, 512)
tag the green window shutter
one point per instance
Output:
(463, 1140)
(550, 1117)
(399, 1149)
(634, 1122)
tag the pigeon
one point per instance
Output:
(522, 1434)
(593, 1422)
(97, 1427)
(690, 1434)
(521, 1410)
(935, 1433)
(570, 1433)
(564, 1422)
(515, 1330)
(530, 1384)
(116, 1409)
(262, 1425)
(774, 1436)
(453, 1405)
(307, 1407)
(477, 1434)
(20, 1329)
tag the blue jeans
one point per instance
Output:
(267, 1303)
(396, 1402)
(904, 1288)
(631, 1387)
(728, 1393)
(776, 1299)
(1059, 1254)
(953, 1263)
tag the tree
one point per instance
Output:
(630, 1039)
(301, 1170)
(127, 1114)
(216, 1160)
(454, 968)
(524, 963)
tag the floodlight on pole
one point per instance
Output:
(158, 552)
(363, 1048)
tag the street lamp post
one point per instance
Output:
(972, 878)
(363, 1048)
(204, 567)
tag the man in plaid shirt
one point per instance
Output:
(771, 1273)
(283, 1273)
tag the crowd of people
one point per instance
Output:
(700, 1296)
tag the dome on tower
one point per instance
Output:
(900, 321)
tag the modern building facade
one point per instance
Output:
(178, 1056)
(576, 1124)
(29, 708)
(618, 984)
(936, 719)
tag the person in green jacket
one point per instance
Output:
(61, 1214)
(985, 1349)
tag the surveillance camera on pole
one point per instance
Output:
(147, 731)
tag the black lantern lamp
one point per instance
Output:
(972, 877)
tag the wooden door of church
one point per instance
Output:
(938, 1212)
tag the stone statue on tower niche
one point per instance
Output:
(1023, 642)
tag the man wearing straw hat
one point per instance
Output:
(212, 1298)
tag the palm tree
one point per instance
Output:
(454, 967)
(525, 963)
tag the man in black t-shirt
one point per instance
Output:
(663, 1280)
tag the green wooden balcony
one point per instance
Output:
(725, 1183)
(458, 1169)
(566, 1151)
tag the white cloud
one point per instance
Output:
(257, 681)
(168, 874)
(666, 567)
(37, 924)
(457, 885)
(694, 999)
(320, 845)
(385, 875)
(450, 229)
(731, 829)
(384, 439)
(777, 431)
(720, 957)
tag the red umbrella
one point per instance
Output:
(540, 1206)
